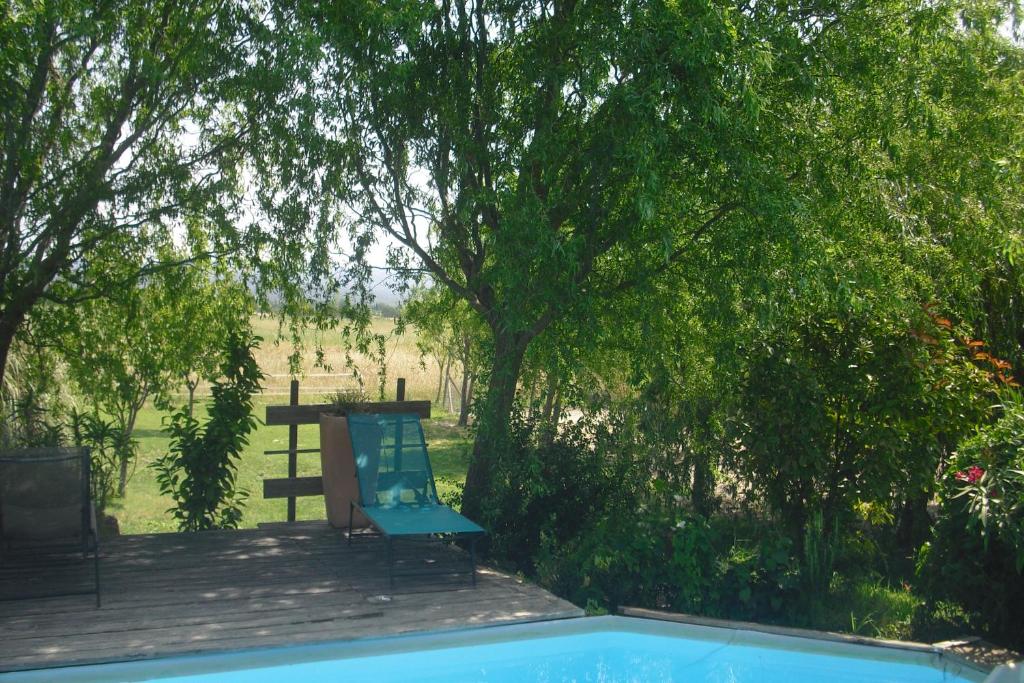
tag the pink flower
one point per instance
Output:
(972, 475)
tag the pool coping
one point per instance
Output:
(242, 659)
(810, 634)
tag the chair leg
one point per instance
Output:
(472, 560)
(351, 509)
(96, 570)
(96, 565)
(391, 564)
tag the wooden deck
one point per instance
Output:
(297, 583)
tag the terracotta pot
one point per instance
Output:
(339, 472)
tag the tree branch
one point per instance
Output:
(718, 215)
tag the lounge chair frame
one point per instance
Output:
(390, 538)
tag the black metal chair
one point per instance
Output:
(46, 513)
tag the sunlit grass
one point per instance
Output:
(873, 608)
(143, 509)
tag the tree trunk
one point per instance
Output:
(464, 396)
(5, 350)
(191, 393)
(447, 394)
(9, 324)
(446, 400)
(467, 403)
(531, 400)
(127, 455)
(492, 421)
(914, 522)
(549, 400)
(702, 493)
(552, 413)
(122, 476)
(440, 379)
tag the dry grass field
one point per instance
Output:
(143, 509)
(402, 359)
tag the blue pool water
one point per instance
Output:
(609, 656)
(613, 650)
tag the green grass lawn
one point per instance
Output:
(144, 510)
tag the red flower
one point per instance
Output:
(972, 475)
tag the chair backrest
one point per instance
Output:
(391, 460)
(44, 494)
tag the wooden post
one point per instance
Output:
(400, 392)
(293, 446)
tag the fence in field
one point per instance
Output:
(274, 384)
(448, 394)
(295, 414)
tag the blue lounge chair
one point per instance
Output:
(397, 493)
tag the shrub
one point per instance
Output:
(976, 556)
(678, 560)
(583, 511)
(109, 446)
(870, 606)
(549, 486)
(844, 408)
(449, 491)
(199, 471)
(758, 572)
(640, 557)
(33, 398)
(988, 477)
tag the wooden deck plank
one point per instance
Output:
(346, 617)
(166, 594)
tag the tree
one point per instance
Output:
(117, 357)
(536, 156)
(143, 342)
(113, 127)
(543, 160)
(201, 305)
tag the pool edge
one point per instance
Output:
(810, 634)
(210, 662)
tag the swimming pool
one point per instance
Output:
(604, 649)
